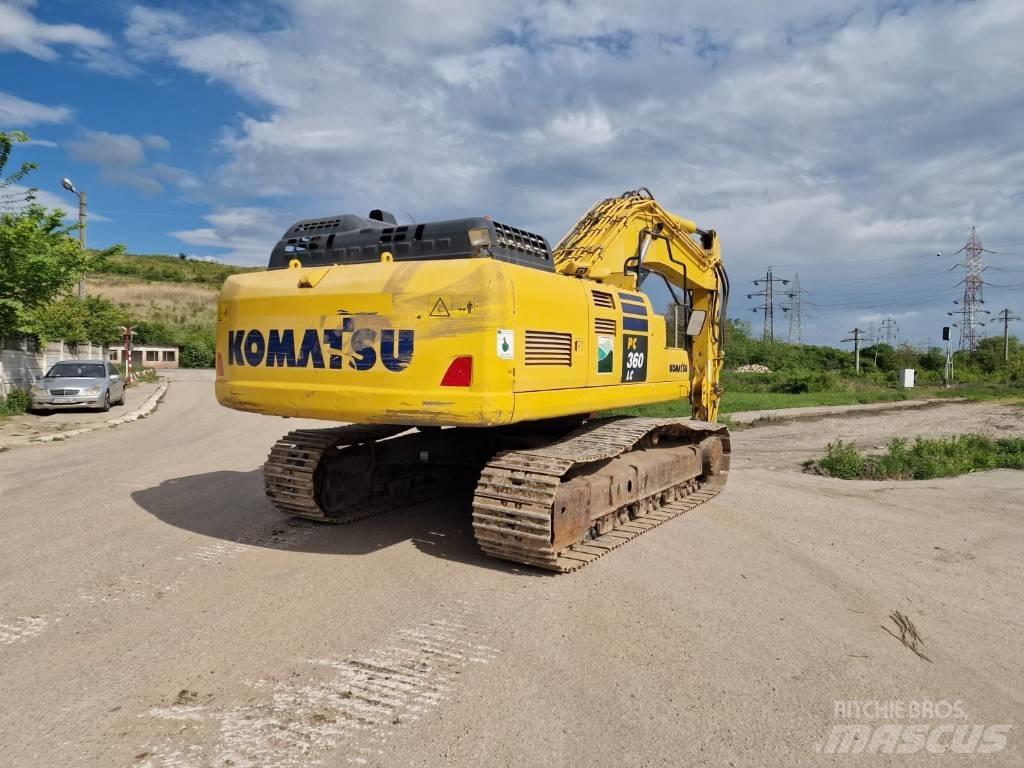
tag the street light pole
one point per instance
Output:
(66, 183)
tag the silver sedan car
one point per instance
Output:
(79, 384)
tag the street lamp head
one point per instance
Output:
(66, 183)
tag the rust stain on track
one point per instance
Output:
(513, 509)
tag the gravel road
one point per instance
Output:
(155, 611)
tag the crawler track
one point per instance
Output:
(292, 473)
(331, 475)
(513, 508)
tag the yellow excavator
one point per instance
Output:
(467, 354)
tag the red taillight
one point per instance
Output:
(459, 373)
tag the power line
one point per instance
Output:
(768, 307)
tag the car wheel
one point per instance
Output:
(106, 401)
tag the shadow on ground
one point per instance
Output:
(231, 506)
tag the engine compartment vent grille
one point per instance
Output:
(548, 348)
(605, 326)
(602, 299)
(309, 226)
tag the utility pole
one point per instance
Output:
(970, 303)
(66, 183)
(856, 337)
(768, 307)
(1007, 317)
(947, 374)
(889, 326)
(796, 335)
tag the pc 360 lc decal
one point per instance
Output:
(289, 348)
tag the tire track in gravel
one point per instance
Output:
(342, 708)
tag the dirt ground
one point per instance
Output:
(785, 444)
(15, 430)
(155, 611)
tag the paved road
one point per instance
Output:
(154, 611)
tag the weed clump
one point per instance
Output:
(923, 459)
(16, 402)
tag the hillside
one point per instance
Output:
(163, 289)
(168, 300)
(170, 269)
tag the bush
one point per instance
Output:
(16, 402)
(924, 459)
(842, 460)
(198, 351)
(799, 382)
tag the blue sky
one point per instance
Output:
(847, 141)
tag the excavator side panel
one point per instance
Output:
(464, 342)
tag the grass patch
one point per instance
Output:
(734, 402)
(846, 393)
(147, 376)
(923, 459)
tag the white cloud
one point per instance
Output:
(155, 141)
(108, 150)
(808, 132)
(177, 176)
(245, 234)
(587, 128)
(121, 158)
(20, 31)
(19, 113)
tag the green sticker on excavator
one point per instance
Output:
(605, 354)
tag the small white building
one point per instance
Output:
(147, 356)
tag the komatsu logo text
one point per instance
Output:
(322, 349)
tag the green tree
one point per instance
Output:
(39, 258)
(10, 199)
(94, 319)
(103, 320)
(933, 360)
(154, 332)
(198, 350)
(989, 355)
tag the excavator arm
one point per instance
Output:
(624, 240)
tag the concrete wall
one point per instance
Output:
(21, 363)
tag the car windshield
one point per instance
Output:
(76, 371)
